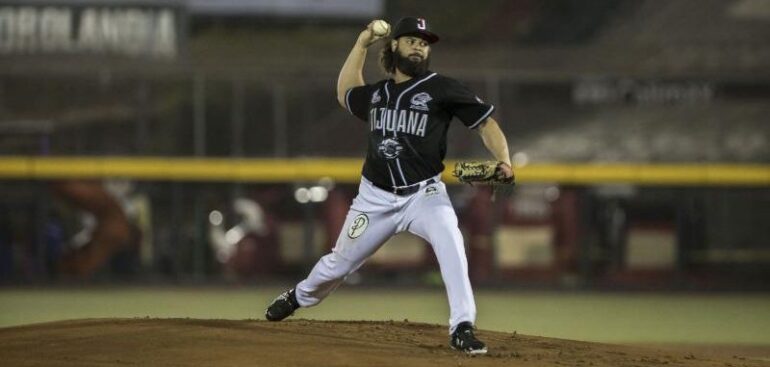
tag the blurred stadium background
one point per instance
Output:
(200, 142)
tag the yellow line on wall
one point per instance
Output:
(348, 170)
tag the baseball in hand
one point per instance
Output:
(380, 28)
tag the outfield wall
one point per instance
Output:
(347, 170)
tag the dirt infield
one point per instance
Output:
(191, 342)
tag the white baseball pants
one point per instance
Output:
(374, 217)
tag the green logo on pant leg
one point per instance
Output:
(360, 222)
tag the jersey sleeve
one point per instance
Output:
(466, 105)
(357, 101)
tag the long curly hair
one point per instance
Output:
(388, 58)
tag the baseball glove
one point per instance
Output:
(486, 172)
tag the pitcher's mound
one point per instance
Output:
(188, 342)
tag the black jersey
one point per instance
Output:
(408, 125)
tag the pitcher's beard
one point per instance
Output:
(412, 68)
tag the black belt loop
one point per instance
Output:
(404, 190)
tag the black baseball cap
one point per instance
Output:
(413, 26)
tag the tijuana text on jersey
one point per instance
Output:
(408, 124)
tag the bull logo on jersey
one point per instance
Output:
(358, 226)
(420, 101)
(376, 97)
(390, 148)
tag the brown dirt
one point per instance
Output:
(189, 342)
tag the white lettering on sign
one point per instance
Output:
(55, 29)
(99, 30)
(632, 91)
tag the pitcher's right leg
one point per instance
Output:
(361, 236)
(369, 223)
(327, 274)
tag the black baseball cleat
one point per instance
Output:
(463, 339)
(282, 307)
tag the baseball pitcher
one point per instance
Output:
(407, 116)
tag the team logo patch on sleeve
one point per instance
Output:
(420, 101)
(376, 96)
(360, 222)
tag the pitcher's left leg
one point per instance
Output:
(434, 219)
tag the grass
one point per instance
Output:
(614, 318)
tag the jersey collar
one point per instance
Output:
(412, 80)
